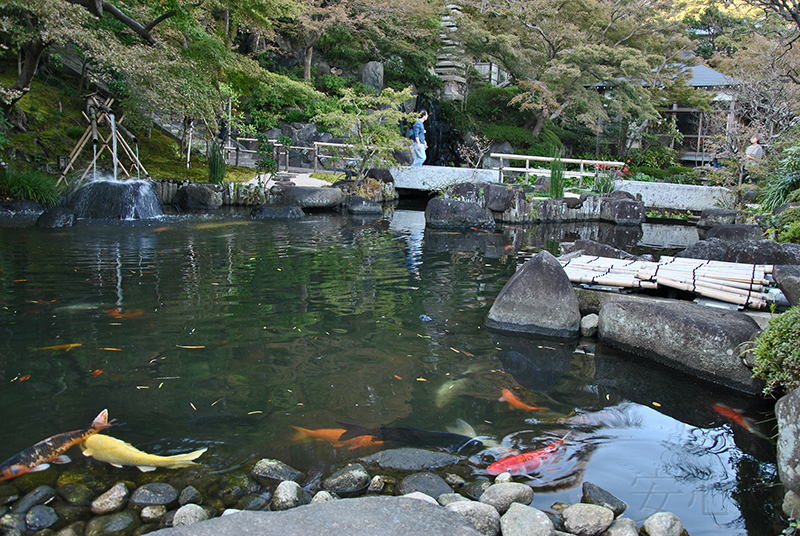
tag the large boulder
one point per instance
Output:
(371, 75)
(699, 340)
(197, 197)
(712, 217)
(622, 211)
(787, 278)
(56, 217)
(736, 232)
(116, 200)
(787, 412)
(308, 197)
(446, 213)
(500, 197)
(761, 252)
(712, 249)
(538, 300)
(270, 212)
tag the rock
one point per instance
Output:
(503, 478)
(538, 300)
(502, 496)
(446, 498)
(76, 493)
(190, 495)
(189, 514)
(121, 200)
(587, 519)
(589, 325)
(288, 495)
(380, 175)
(408, 459)
(787, 413)
(521, 520)
(119, 524)
(474, 490)
(419, 496)
(152, 514)
(74, 529)
(712, 249)
(371, 75)
(308, 197)
(323, 496)
(427, 483)
(270, 212)
(702, 341)
(70, 514)
(447, 213)
(12, 523)
(593, 494)
(787, 278)
(56, 218)
(253, 502)
(736, 232)
(760, 252)
(663, 524)
(791, 505)
(482, 516)
(40, 495)
(621, 211)
(622, 526)
(500, 197)
(111, 501)
(40, 517)
(349, 481)
(360, 205)
(387, 516)
(712, 217)
(195, 196)
(154, 494)
(783, 207)
(267, 471)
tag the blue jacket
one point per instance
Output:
(418, 132)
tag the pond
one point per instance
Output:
(220, 331)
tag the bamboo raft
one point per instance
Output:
(742, 284)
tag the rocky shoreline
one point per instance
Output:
(397, 491)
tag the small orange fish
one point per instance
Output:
(97, 372)
(61, 347)
(23, 378)
(516, 403)
(120, 313)
(737, 417)
(332, 435)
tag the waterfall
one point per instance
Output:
(113, 141)
(108, 199)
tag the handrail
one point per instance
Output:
(542, 171)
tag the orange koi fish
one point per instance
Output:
(525, 463)
(37, 457)
(737, 417)
(61, 347)
(332, 435)
(516, 403)
(120, 313)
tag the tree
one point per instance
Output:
(371, 124)
(558, 52)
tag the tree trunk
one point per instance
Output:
(541, 118)
(31, 52)
(307, 63)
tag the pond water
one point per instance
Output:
(219, 331)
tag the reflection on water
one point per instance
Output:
(224, 332)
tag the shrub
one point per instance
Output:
(29, 184)
(556, 176)
(216, 164)
(777, 354)
(787, 224)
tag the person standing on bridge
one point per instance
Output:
(418, 135)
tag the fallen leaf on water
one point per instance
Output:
(97, 372)
(194, 408)
(189, 347)
(398, 377)
(467, 353)
(142, 387)
(22, 378)
(255, 412)
(656, 404)
(456, 351)
(111, 349)
(421, 380)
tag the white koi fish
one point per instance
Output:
(118, 453)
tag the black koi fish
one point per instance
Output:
(414, 437)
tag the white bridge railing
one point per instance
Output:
(586, 168)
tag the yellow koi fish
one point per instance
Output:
(118, 453)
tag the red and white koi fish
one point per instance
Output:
(37, 457)
(516, 403)
(738, 418)
(525, 463)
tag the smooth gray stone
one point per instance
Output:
(411, 459)
(366, 516)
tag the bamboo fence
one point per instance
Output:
(742, 284)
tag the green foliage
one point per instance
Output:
(777, 354)
(516, 136)
(29, 184)
(556, 176)
(339, 47)
(785, 181)
(660, 157)
(216, 164)
(787, 225)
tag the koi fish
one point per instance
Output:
(62, 347)
(516, 403)
(737, 417)
(333, 435)
(118, 453)
(525, 463)
(38, 457)
(119, 313)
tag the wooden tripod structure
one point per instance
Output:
(97, 113)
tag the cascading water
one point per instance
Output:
(113, 123)
(109, 199)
